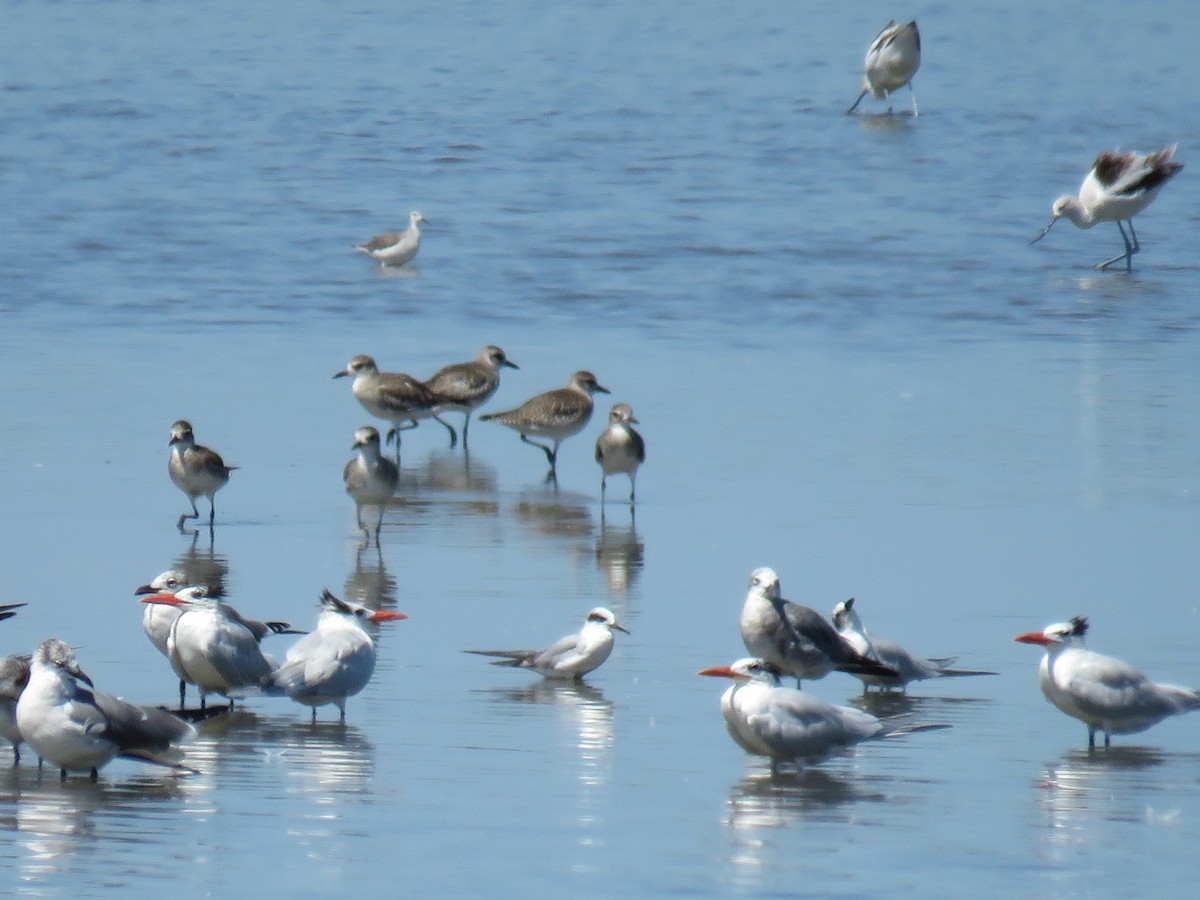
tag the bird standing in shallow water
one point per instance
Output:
(620, 448)
(1118, 187)
(556, 414)
(892, 60)
(786, 724)
(395, 248)
(468, 385)
(572, 656)
(71, 724)
(1103, 692)
(393, 396)
(335, 661)
(908, 667)
(196, 470)
(370, 478)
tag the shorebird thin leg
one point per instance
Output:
(603, 481)
(466, 425)
(450, 428)
(182, 692)
(212, 510)
(183, 517)
(913, 94)
(550, 454)
(1127, 255)
(854, 105)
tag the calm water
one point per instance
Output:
(848, 364)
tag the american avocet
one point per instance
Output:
(892, 60)
(395, 248)
(1119, 186)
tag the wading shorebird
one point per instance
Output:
(892, 60)
(556, 414)
(466, 386)
(395, 248)
(1119, 186)
(196, 470)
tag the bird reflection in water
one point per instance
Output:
(447, 471)
(1086, 791)
(620, 555)
(585, 714)
(52, 820)
(204, 565)
(317, 759)
(369, 582)
(554, 513)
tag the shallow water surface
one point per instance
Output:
(846, 361)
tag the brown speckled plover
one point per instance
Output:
(196, 470)
(393, 396)
(468, 385)
(556, 414)
(370, 478)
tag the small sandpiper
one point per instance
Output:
(394, 396)
(370, 478)
(196, 470)
(395, 248)
(467, 386)
(556, 414)
(620, 448)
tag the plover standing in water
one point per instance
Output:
(892, 60)
(620, 448)
(370, 478)
(393, 396)
(395, 248)
(556, 414)
(196, 470)
(468, 385)
(1119, 186)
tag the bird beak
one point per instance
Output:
(387, 615)
(510, 364)
(164, 599)
(144, 589)
(620, 627)
(1033, 637)
(602, 389)
(81, 675)
(719, 672)
(341, 374)
(1044, 231)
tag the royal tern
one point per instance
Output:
(1118, 187)
(620, 448)
(1101, 691)
(370, 478)
(196, 470)
(335, 660)
(572, 656)
(467, 386)
(892, 60)
(209, 644)
(556, 414)
(795, 638)
(908, 668)
(78, 728)
(788, 725)
(395, 248)
(393, 396)
(159, 617)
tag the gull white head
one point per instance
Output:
(415, 219)
(331, 603)
(765, 582)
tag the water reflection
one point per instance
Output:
(51, 821)
(202, 564)
(369, 582)
(447, 470)
(620, 554)
(1086, 789)
(550, 511)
